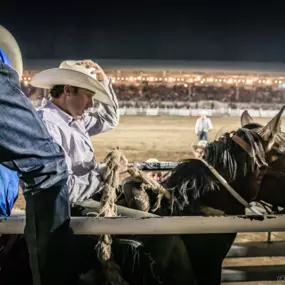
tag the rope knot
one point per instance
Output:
(110, 184)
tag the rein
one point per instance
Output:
(244, 145)
(263, 169)
(231, 190)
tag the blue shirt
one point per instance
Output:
(9, 185)
(9, 180)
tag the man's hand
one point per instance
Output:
(164, 177)
(124, 166)
(100, 74)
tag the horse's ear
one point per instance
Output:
(245, 118)
(272, 127)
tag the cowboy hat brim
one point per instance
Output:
(201, 144)
(11, 48)
(61, 76)
(198, 146)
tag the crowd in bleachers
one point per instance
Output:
(186, 96)
(192, 96)
(226, 93)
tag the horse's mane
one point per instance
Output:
(191, 179)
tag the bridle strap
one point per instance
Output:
(263, 169)
(243, 144)
(229, 188)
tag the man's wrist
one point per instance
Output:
(101, 168)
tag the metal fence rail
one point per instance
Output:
(161, 225)
(189, 225)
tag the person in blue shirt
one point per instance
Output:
(27, 149)
(9, 179)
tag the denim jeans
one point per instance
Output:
(26, 147)
(203, 136)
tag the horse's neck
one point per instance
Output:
(273, 184)
(279, 164)
(244, 185)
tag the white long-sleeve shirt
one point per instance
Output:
(74, 138)
(203, 124)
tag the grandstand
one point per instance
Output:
(184, 84)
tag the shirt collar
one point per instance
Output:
(67, 118)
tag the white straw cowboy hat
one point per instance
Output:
(203, 113)
(11, 49)
(152, 160)
(70, 72)
(201, 144)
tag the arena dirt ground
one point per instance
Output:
(170, 138)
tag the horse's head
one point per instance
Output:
(192, 181)
(273, 139)
(241, 157)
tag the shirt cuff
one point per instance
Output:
(101, 168)
(106, 82)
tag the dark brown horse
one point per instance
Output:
(242, 158)
(266, 183)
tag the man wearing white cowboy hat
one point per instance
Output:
(199, 149)
(73, 87)
(27, 147)
(203, 126)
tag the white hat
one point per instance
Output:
(200, 144)
(152, 160)
(203, 113)
(10, 47)
(70, 72)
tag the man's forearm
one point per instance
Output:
(84, 187)
(106, 117)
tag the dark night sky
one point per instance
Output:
(232, 31)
